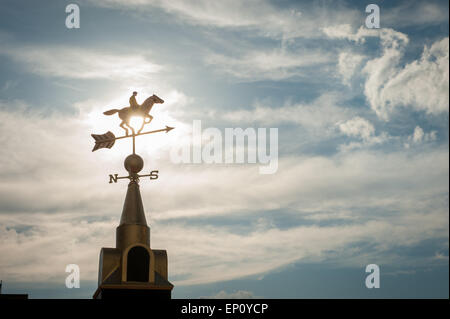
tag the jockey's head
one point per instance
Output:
(134, 93)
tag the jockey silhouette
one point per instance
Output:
(133, 104)
(143, 110)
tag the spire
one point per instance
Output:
(132, 269)
(133, 227)
(133, 210)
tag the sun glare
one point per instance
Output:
(136, 122)
(152, 145)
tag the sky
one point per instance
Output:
(363, 144)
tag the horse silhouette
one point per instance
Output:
(143, 111)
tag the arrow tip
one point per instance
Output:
(168, 128)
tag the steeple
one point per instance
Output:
(133, 265)
(133, 269)
(133, 210)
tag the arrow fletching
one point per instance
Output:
(103, 141)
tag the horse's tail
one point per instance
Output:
(111, 112)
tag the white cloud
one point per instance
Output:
(259, 16)
(209, 253)
(274, 65)
(341, 31)
(212, 254)
(419, 136)
(305, 20)
(422, 84)
(57, 207)
(415, 13)
(76, 63)
(42, 252)
(240, 294)
(347, 65)
(389, 37)
(358, 127)
(363, 129)
(346, 31)
(308, 115)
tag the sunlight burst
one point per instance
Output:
(136, 122)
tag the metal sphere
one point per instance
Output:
(134, 163)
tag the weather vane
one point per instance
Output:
(133, 163)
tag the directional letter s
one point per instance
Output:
(154, 174)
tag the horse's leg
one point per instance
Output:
(132, 129)
(122, 125)
(142, 126)
(127, 123)
(125, 114)
(148, 116)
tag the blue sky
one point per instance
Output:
(362, 118)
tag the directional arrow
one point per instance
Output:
(107, 140)
(104, 140)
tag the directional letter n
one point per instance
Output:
(113, 178)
